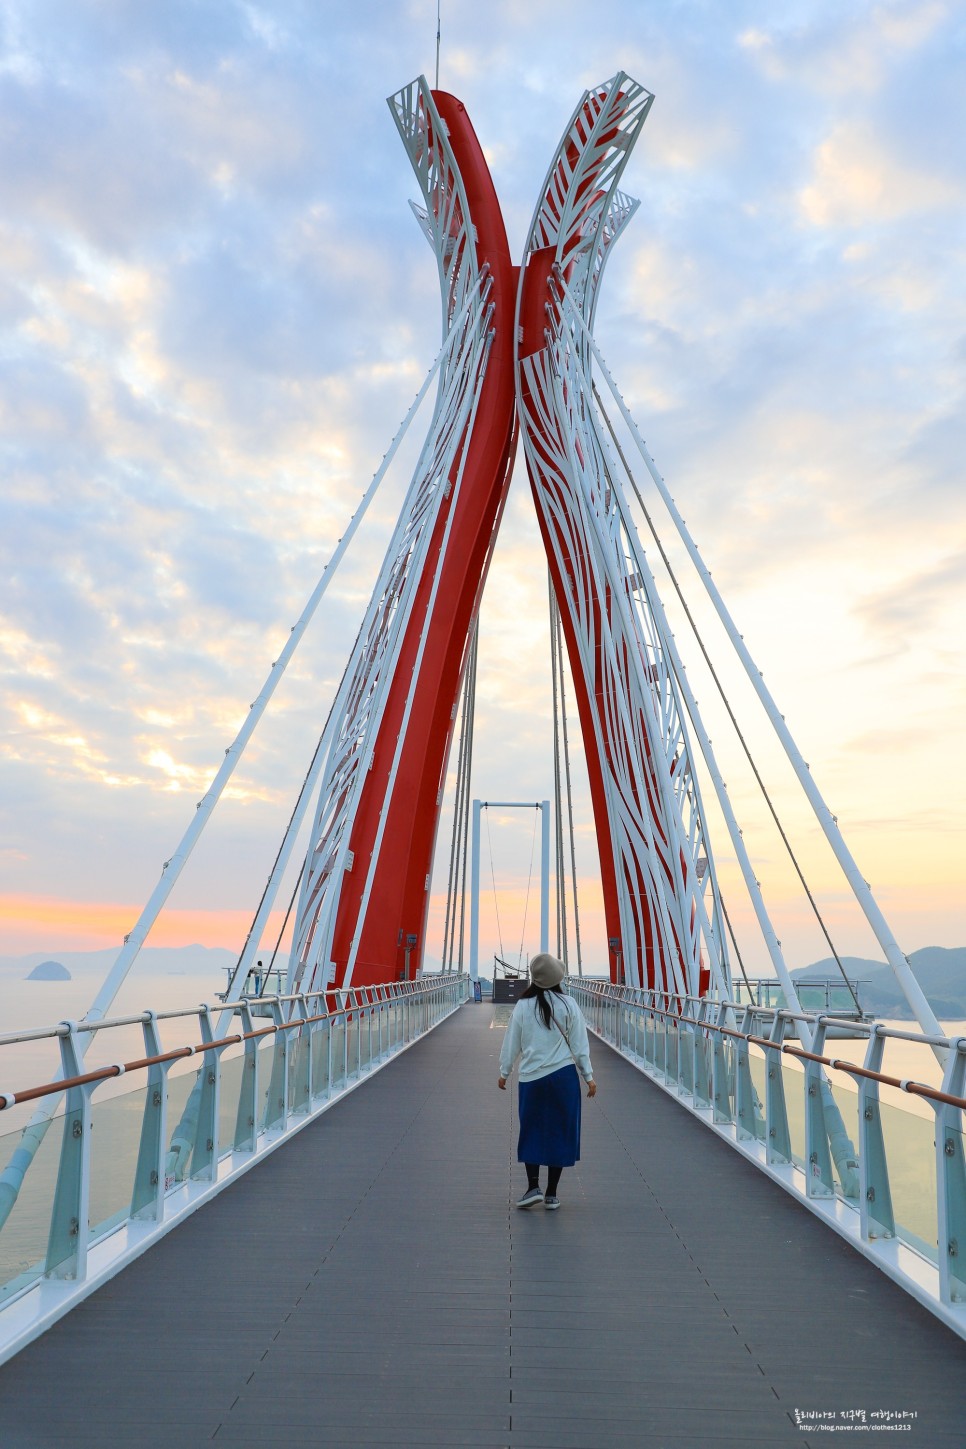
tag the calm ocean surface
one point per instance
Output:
(28, 1004)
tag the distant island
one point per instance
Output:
(940, 971)
(49, 971)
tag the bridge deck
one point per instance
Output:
(371, 1284)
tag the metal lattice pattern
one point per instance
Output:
(465, 288)
(587, 167)
(669, 926)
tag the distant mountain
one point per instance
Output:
(940, 971)
(161, 960)
(49, 971)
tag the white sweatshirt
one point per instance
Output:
(542, 1049)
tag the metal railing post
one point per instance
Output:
(686, 1052)
(778, 1142)
(876, 1216)
(276, 1104)
(300, 1095)
(818, 1158)
(70, 1214)
(204, 1156)
(951, 1180)
(744, 1089)
(147, 1195)
(246, 1117)
(702, 1085)
(721, 1074)
(650, 1032)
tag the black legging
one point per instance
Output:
(533, 1176)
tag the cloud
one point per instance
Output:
(843, 53)
(911, 608)
(856, 182)
(216, 309)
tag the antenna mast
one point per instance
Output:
(438, 6)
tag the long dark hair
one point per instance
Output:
(544, 1009)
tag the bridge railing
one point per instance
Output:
(98, 1174)
(833, 1132)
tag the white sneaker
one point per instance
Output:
(530, 1198)
(551, 1202)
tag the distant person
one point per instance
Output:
(548, 1034)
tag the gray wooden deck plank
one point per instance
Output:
(371, 1283)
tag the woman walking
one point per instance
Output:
(548, 1034)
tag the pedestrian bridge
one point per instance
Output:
(368, 1280)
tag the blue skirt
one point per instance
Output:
(550, 1119)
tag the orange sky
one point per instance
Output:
(44, 923)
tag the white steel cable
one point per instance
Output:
(459, 814)
(727, 703)
(904, 975)
(468, 790)
(570, 798)
(561, 884)
(35, 1131)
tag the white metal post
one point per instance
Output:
(545, 877)
(475, 897)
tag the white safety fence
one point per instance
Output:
(88, 1189)
(832, 1132)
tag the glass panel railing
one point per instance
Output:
(352, 1045)
(842, 1126)
(232, 1072)
(124, 1145)
(298, 1047)
(954, 1153)
(366, 1024)
(758, 1067)
(702, 1068)
(181, 1122)
(266, 1065)
(686, 1060)
(660, 1049)
(910, 1147)
(650, 1040)
(23, 1238)
(637, 1016)
(115, 1139)
(724, 1080)
(338, 1052)
(793, 1078)
(320, 1060)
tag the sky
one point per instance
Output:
(217, 307)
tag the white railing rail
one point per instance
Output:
(126, 1168)
(832, 1132)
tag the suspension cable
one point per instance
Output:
(570, 796)
(457, 847)
(454, 840)
(561, 893)
(734, 942)
(284, 850)
(281, 933)
(727, 703)
(471, 720)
